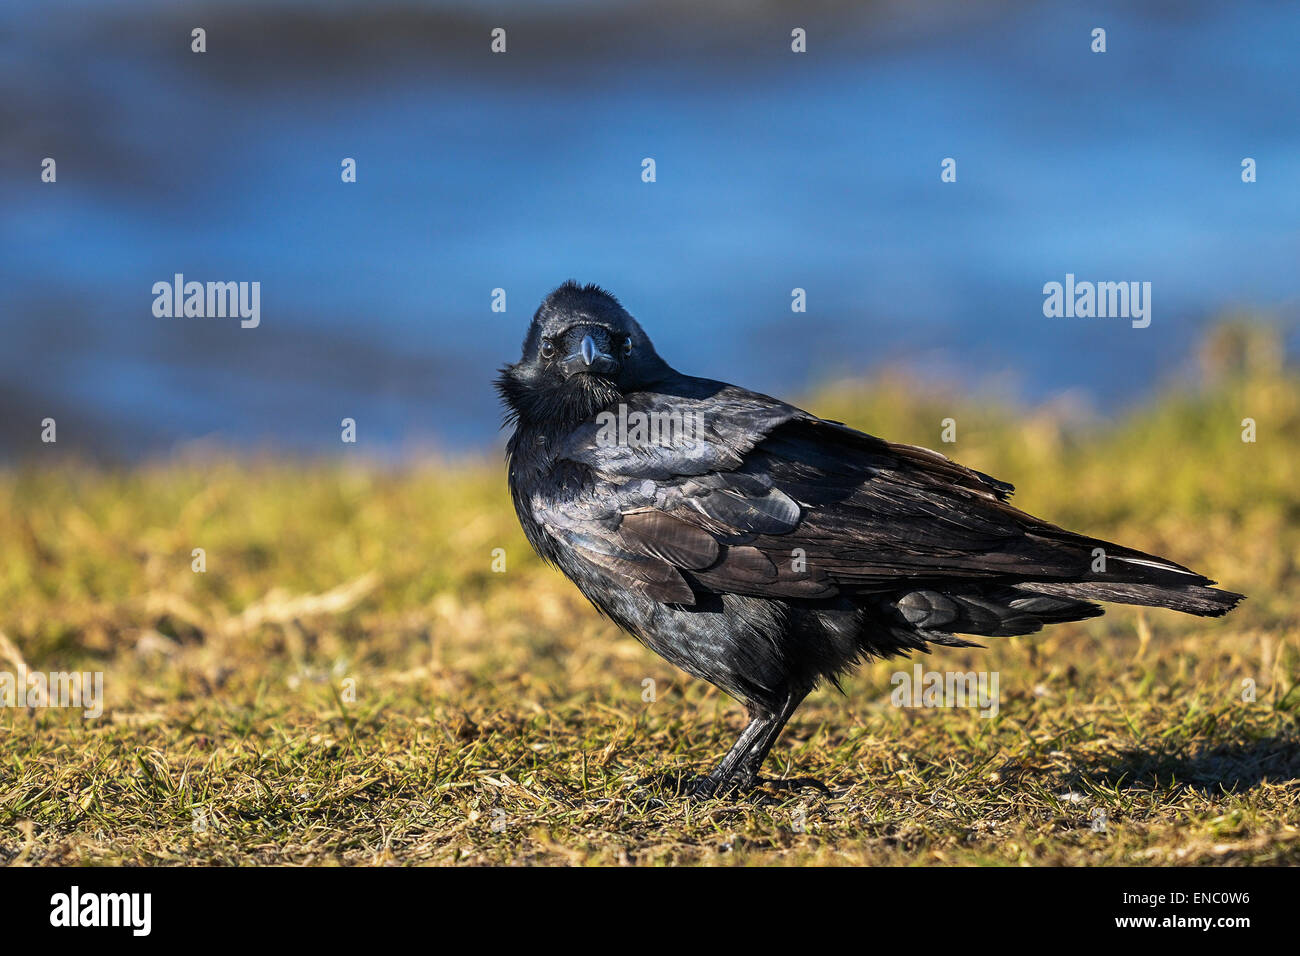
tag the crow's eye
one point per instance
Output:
(548, 349)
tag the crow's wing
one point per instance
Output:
(744, 494)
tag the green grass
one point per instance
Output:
(349, 682)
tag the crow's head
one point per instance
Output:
(583, 351)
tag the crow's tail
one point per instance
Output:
(1190, 598)
(1127, 576)
(1003, 610)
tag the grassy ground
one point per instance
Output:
(351, 682)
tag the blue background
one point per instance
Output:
(477, 171)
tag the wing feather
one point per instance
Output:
(764, 499)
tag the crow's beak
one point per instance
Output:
(591, 353)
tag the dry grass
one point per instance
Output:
(497, 719)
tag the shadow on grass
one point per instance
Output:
(1229, 768)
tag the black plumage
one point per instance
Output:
(763, 549)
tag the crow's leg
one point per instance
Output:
(759, 721)
(753, 760)
(739, 768)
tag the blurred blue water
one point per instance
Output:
(774, 171)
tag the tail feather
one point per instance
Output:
(1075, 572)
(1195, 598)
(936, 616)
(1129, 576)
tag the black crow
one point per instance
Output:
(763, 549)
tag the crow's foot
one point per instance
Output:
(705, 788)
(708, 786)
(797, 783)
(694, 785)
